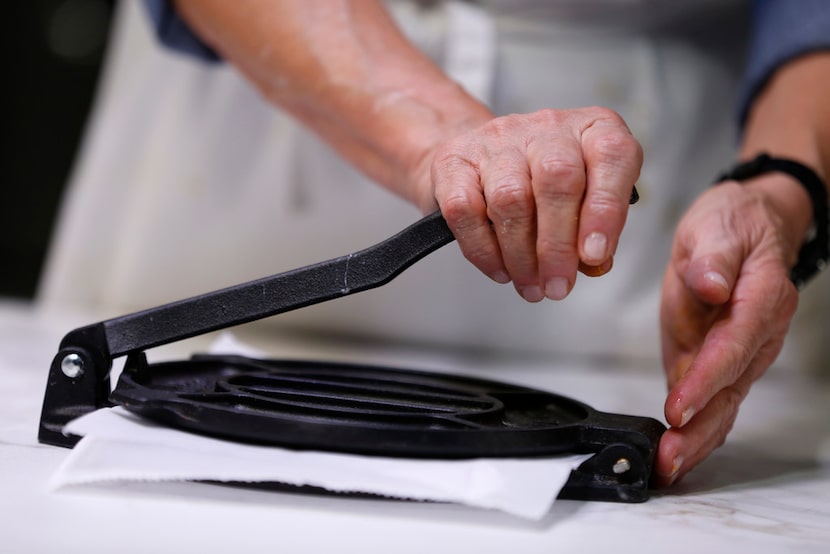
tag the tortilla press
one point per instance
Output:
(337, 406)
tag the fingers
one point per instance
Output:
(558, 182)
(681, 449)
(731, 352)
(533, 198)
(699, 279)
(582, 184)
(465, 210)
(747, 331)
(702, 303)
(726, 305)
(612, 159)
(715, 255)
(511, 207)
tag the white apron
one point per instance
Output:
(188, 181)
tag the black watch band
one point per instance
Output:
(814, 254)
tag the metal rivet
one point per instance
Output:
(72, 366)
(621, 466)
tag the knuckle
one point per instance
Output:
(721, 434)
(561, 250)
(479, 254)
(617, 146)
(560, 173)
(604, 203)
(510, 200)
(559, 180)
(733, 397)
(453, 158)
(456, 209)
(744, 352)
(503, 126)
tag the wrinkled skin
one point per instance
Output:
(726, 306)
(532, 198)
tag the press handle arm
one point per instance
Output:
(79, 374)
(279, 293)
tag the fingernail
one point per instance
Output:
(500, 277)
(716, 277)
(532, 293)
(595, 247)
(676, 464)
(687, 414)
(557, 288)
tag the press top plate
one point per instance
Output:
(353, 408)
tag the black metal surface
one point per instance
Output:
(391, 412)
(339, 407)
(367, 269)
(365, 409)
(97, 344)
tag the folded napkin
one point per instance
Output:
(120, 446)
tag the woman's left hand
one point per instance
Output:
(726, 306)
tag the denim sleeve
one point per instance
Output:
(174, 33)
(782, 31)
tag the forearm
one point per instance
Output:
(343, 68)
(529, 197)
(790, 118)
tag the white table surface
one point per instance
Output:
(766, 490)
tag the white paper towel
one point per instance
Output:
(120, 446)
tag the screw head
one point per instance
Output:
(72, 366)
(621, 466)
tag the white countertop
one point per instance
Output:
(766, 490)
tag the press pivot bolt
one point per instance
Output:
(621, 466)
(72, 366)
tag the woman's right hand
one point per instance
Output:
(532, 198)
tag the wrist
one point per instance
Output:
(790, 201)
(791, 188)
(410, 128)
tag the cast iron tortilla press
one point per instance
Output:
(336, 406)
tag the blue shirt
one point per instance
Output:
(782, 31)
(174, 33)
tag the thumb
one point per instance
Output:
(712, 270)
